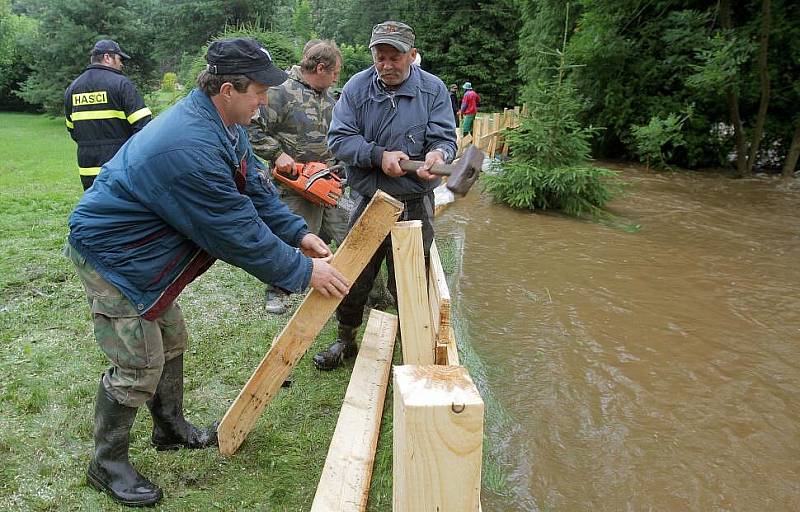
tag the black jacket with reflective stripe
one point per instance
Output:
(103, 109)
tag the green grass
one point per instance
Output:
(51, 365)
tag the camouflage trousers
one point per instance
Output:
(332, 221)
(137, 348)
(324, 222)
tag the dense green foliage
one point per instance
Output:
(550, 152)
(67, 32)
(14, 56)
(356, 57)
(638, 61)
(650, 60)
(472, 40)
(657, 140)
(284, 52)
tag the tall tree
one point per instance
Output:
(471, 40)
(301, 21)
(68, 31)
(15, 29)
(642, 60)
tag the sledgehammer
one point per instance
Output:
(463, 173)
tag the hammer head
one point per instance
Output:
(465, 172)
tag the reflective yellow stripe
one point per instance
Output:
(88, 115)
(139, 114)
(88, 171)
(69, 124)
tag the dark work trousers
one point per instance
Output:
(351, 310)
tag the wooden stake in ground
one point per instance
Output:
(412, 293)
(344, 484)
(350, 259)
(439, 298)
(438, 440)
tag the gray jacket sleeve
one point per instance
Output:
(346, 139)
(441, 130)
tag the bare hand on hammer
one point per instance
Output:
(432, 158)
(390, 164)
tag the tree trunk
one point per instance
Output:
(763, 71)
(733, 99)
(791, 158)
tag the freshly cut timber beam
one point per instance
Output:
(412, 293)
(344, 485)
(438, 440)
(439, 298)
(350, 259)
(452, 349)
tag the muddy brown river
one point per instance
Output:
(654, 370)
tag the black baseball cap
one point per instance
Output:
(108, 46)
(243, 56)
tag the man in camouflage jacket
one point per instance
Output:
(293, 128)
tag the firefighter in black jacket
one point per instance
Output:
(103, 109)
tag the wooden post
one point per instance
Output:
(298, 335)
(477, 126)
(438, 440)
(452, 349)
(412, 293)
(344, 484)
(439, 298)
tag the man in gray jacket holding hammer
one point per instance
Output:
(390, 112)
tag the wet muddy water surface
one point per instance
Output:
(653, 370)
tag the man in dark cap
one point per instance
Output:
(103, 109)
(187, 190)
(389, 112)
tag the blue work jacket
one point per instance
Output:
(179, 195)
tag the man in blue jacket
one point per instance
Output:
(390, 112)
(184, 192)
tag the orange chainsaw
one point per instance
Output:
(315, 181)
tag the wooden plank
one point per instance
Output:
(439, 297)
(492, 146)
(350, 259)
(344, 484)
(440, 354)
(452, 350)
(437, 440)
(412, 293)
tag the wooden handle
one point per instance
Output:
(438, 169)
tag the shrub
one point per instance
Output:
(280, 47)
(168, 82)
(656, 141)
(355, 57)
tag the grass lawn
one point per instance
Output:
(51, 365)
